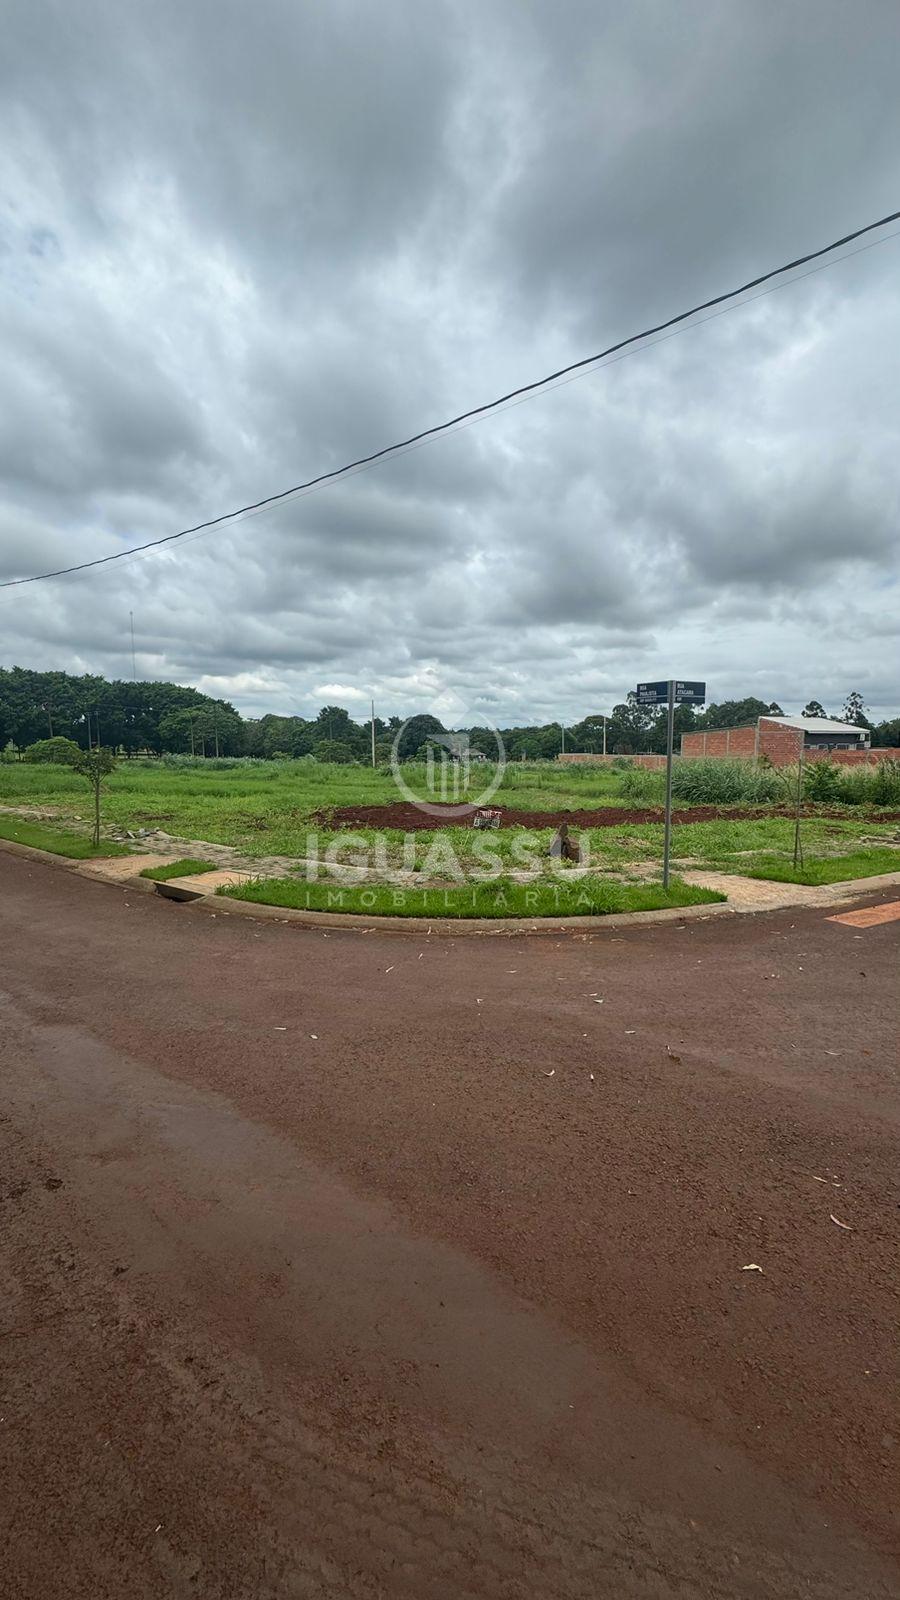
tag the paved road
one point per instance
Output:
(354, 1265)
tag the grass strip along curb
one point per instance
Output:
(56, 841)
(826, 869)
(582, 898)
(185, 868)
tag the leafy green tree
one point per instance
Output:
(95, 765)
(415, 734)
(333, 722)
(291, 735)
(177, 733)
(854, 711)
(886, 736)
(814, 708)
(736, 713)
(332, 750)
(24, 717)
(484, 740)
(628, 728)
(683, 721)
(587, 734)
(61, 752)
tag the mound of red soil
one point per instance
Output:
(408, 818)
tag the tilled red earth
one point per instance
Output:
(409, 818)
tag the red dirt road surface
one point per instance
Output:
(357, 1265)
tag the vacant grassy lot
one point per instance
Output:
(728, 846)
(264, 809)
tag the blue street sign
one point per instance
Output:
(688, 692)
(652, 694)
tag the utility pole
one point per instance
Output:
(191, 720)
(216, 729)
(373, 733)
(670, 736)
(562, 729)
(133, 665)
(604, 735)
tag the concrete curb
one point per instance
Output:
(452, 927)
(30, 852)
(357, 922)
(480, 927)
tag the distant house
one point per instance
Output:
(457, 746)
(824, 733)
(782, 740)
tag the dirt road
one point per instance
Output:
(358, 1265)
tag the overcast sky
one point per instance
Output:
(240, 244)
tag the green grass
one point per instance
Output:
(828, 869)
(178, 869)
(264, 808)
(55, 840)
(723, 845)
(502, 898)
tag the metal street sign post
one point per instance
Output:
(670, 692)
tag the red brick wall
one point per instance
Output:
(782, 745)
(852, 758)
(720, 743)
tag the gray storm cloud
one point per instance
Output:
(238, 247)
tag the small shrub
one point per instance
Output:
(822, 781)
(885, 784)
(855, 785)
(871, 786)
(95, 765)
(728, 783)
(639, 783)
(61, 752)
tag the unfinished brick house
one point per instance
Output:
(783, 739)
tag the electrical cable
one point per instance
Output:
(550, 379)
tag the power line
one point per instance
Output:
(475, 412)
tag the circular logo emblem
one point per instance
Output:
(456, 779)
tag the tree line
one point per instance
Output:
(167, 718)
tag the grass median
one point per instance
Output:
(826, 869)
(185, 868)
(56, 841)
(583, 897)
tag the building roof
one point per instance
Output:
(818, 725)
